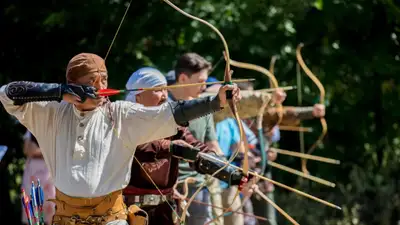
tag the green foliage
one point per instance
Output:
(352, 46)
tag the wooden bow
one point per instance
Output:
(321, 100)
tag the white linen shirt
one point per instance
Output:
(86, 156)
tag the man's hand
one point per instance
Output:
(73, 93)
(247, 188)
(236, 96)
(178, 195)
(279, 96)
(319, 110)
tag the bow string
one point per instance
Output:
(117, 133)
(242, 147)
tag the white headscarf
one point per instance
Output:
(145, 77)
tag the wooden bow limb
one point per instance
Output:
(266, 73)
(272, 67)
(322, 101)
(186, 182)
(305, 156)
(183, 196)
(280, 210)
(242, 146)
(294, 128)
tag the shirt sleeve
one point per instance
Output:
(156, 169)
(37, 117)
(190, 139)
(145, 124)
(210, 130)
(291, 115)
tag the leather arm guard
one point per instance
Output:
(22, 92)
(304, 113)
(210, 163)
(184, 111)
(184, 152)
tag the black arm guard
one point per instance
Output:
(184, 111)
(184, 152)
(24, 91)
(210, 163)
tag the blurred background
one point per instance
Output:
(351, 45)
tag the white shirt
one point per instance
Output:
(86, 156)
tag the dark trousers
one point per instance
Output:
(161, 214)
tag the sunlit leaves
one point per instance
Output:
(319, 4)
(55, 19)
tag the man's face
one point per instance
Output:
(97, 80)
(199, 77)
(152, 98)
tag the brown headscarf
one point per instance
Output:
(84, 64)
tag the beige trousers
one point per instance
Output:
(216, 199)
(227, 197)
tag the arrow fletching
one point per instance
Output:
(109, 92)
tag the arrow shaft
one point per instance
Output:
(188, 85)
(114, 92)
(285, 187)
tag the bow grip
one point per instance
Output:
(228, 92)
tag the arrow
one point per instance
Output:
(279, 184)
(109, 92)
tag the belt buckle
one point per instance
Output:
(151, 200)
(94, 219)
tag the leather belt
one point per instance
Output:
(37, 156)
(147, 200)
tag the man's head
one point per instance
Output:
(147, 77)
(88, 69)
(192, 68)
(213, 88)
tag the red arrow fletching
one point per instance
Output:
(108, 92)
